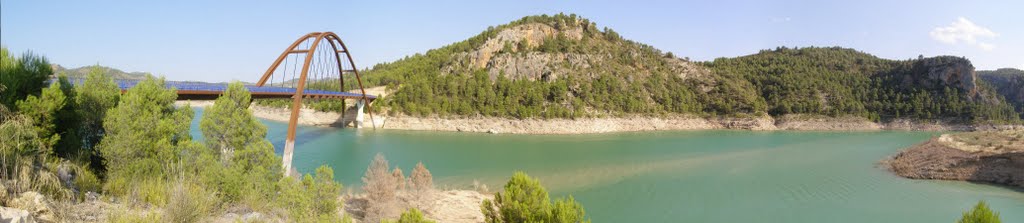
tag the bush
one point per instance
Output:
(525, 200)
(22, 76)
(189, 202)
(238, 140)
(27, 164)
(142, 138)
(381, 187)
(421, 184)
(412, 216)
(980, 214)
(314, 199)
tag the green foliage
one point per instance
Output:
(143, 134)
(313, 199)
(1008, 83)
(95, 96)
(625, 77)
(22, 76)
(614, 87)
(980, 214)
(239, 140)
(27, 161)
(317, 105)
(43, 112)
(837, 81)
(413, 215)
(525, 200)
(228, 125)
(68, 124)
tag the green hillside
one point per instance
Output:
(837, 81)
(563, 66)
(1009, 83)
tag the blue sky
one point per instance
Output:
(237, 40)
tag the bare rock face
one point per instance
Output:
(939, 72)
(534, 34)
(539, 66)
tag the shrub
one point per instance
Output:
(525, 200)
(980, 214)
(238, 140)
(381, 187)
(27, 164)
(22, 76)
(142, 136)
(189, 202)
(314, 199)
(421, 184)
(413, 215)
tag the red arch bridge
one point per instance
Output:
(315, 66)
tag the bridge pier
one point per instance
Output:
(289, 149)
(358, 122)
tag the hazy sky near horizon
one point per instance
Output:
(237, 40)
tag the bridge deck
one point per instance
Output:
(203, 91)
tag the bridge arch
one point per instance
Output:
(316, 66)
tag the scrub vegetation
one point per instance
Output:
(980, 214)
(65, 141)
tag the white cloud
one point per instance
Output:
(963, 30)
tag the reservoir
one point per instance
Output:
(681, 176)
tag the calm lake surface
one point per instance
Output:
(684, 176)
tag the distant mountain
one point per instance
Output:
(82, 72)
(1008, 82)
(563, 66)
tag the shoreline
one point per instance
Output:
(947, 158)
(637, 123)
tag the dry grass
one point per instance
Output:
(388, 193)
(989, 141)
(188, 202)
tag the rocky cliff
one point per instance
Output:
(939, 72)
(1009, 83)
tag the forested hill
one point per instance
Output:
(82, 72)
(564, 66)
(1009, 83)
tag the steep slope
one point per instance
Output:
(837, 81)
(557, 67)
(565, 67)
(1009, 83)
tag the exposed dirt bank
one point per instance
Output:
(681, 122)
(994, 157)
(604, 125)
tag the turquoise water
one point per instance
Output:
(684, 176)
